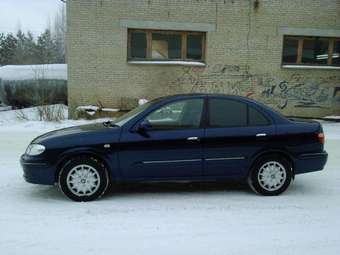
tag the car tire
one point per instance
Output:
(270, 176)
(83, 179)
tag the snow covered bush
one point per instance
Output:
(51, 112)
(54, 113)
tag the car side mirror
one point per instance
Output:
(144, 126)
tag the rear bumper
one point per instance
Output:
(310, 162)
(37, 171)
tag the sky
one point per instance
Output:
(32, 15)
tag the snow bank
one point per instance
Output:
(5, 108)
(33, 72)
(109, 110)
(333, 118)
(30, 114)
(89, 109)
(93, 109)
(142, 101)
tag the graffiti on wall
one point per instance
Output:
(299, 91)
(296, 91)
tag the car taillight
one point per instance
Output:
(321, 138)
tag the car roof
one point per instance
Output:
(188, 95)
(198, 95)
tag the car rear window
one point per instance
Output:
(227, 113)
(256, 118)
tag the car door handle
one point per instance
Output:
(261, 135)
(193, 138)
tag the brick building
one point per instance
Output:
(283, 53)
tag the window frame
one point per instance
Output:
(300, 39)
(184, 46)
(202, 119)
(248, 105)
(331, 49)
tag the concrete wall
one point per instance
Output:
(244, 48)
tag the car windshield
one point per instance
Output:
(120, 121)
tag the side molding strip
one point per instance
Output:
(190, 160)
(218, 159)
(171, 161)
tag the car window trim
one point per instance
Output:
(205, 114)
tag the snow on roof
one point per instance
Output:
(33, 72)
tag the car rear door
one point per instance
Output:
(235, 132)
(170, 148)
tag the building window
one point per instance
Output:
(166, 45)
(319, 51)
(336, 53)
(138, 45)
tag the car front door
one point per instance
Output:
(170, 146)
(235, 132)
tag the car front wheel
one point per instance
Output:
(83, 179)
(270, 176)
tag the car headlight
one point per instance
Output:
(35, 149)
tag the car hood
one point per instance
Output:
(80, 135)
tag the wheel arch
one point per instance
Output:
(65, 157)
(276, 152)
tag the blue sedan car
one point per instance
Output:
(193, 137)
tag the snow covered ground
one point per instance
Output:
(186, 219)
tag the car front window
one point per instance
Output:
(177, 115)
(120, 121)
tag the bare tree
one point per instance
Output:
(59, 32)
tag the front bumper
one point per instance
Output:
(37, 171)
(310, 162)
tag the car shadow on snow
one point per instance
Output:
(204, 188)
(173, 189)
(142, 189)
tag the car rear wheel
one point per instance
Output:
(270, 176)
(83, 179)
